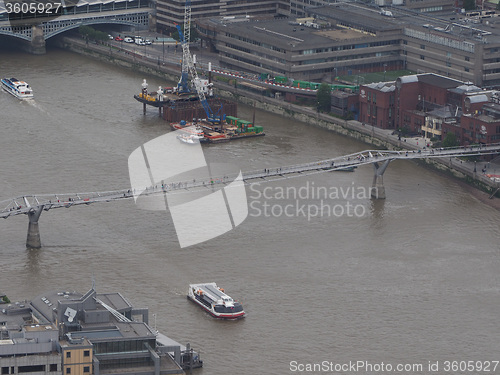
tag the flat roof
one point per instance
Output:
(439, 80)
(115, 300)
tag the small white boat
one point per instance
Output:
(213, 300)
(190, 128)
(19, 89)
(188, 139)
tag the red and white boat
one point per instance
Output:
(190, 129)
(213, 300)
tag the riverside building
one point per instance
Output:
(431, 105)
(69, 333)
(351, 38)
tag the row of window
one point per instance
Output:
(27, 369)
(123, 346)
(255, 42)
(347, 47)
(86, 353)
(86, 370)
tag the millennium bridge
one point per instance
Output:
(34, 205)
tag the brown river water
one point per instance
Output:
(410, 280)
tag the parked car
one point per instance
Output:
(110, 37)
(140, 42)
(119, 39)
(148, 42)
(128, 40)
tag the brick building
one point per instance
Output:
(478, 127)
(376, 104)
(432, 105)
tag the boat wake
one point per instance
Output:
(36, 105)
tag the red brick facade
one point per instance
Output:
(413, 104)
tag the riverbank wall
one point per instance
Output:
(378, 138)
(136, 61)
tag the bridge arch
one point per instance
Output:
(51, 30)
(60, 25)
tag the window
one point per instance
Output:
(53, 367)
(68, 370)
(422, 46)
(86, 369)
(86, 353)
(68, 354)
(422, 57)
(467, 58)
(466, 69)
(32, 368)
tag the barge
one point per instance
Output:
(213, 300)
(163, 96)
(216, 132)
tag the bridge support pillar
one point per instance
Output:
(37, 41)
(33, 238)
(378, 188)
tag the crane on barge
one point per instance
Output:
(189, 68)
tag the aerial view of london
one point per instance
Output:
(252, 187)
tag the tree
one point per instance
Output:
(323, 98)
(91, 33)
(469, 4)
(450, 140)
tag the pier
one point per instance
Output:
(34, 205)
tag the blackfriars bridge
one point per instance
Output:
(34, 30)
(34, 205)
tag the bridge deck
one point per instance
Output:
(29, 203)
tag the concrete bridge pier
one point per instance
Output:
(33, 239)
(378, 188)
(37, 46)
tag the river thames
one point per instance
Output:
(410, 280)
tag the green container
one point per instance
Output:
(259, 129)
(251, 129)
(244, 123)
(231, 120)
(280, 79)
(301, 84)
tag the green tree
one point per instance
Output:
(450, 140)
(323, 98)
(91, 33)
(469, 4)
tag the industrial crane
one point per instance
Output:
(189, 68)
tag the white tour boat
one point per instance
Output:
(19, 89)
(213, 300)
